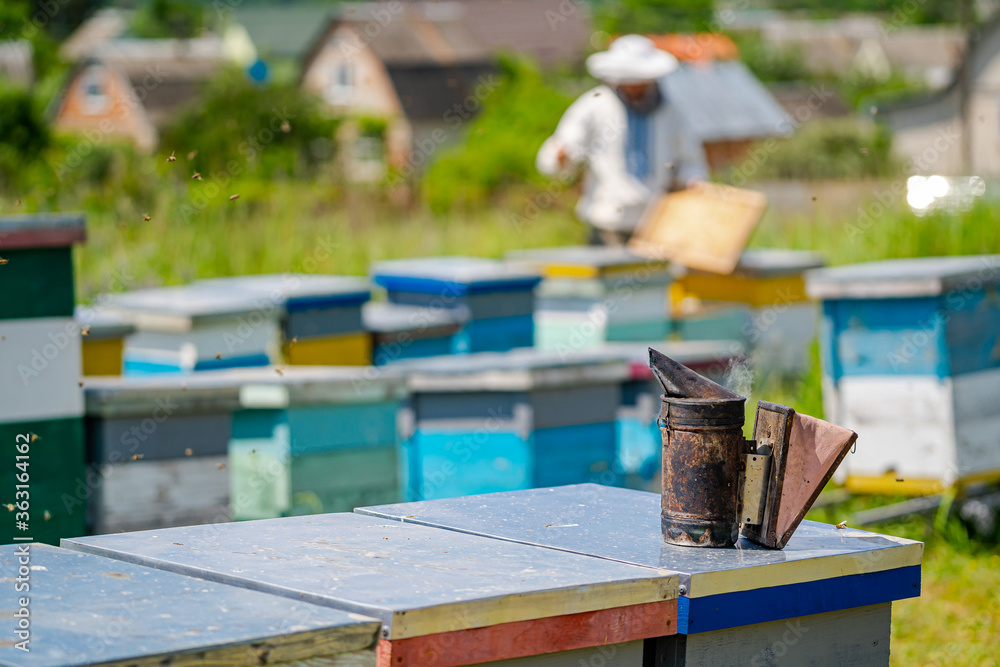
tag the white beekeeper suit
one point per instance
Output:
(632, 153)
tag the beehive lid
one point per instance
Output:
(453, 276)
(42, 230)
(120, 396)
(624, 525)
(774, 262)
(583, 262)
(521, 369)
(102, 323)
(231, 389)
(418, 581)
(902, 278)
(88, 610)
(182, 307)
(297, 291)
(397, 318)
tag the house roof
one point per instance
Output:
(427, 92)
(423, 33)
(724, 101)
(16, 61)
(704, 46)
(551, 31)
(285, 30)
(457, 31)
(418, 34)
(164, 73)
(104, 25)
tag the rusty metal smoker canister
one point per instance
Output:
(703, 448)
(702, 427)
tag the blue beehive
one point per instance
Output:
(320, 315)
(491, 422)
(825, 598)
(595, 294)
(197, 327)
(762, 303)
(408, 332)
(156, 446)
(495, 297)
(911, 361)
(313, 439)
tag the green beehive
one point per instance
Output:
(314, 439)
(43, 477)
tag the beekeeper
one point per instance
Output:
(629, 138)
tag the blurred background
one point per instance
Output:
(205, 140)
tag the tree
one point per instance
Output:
(654, 16)
(23, 134)
(265, 130)
(169, 18)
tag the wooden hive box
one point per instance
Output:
(157, 449)
(197, 327)
(591, 294)
(762, 303)
(825, 598)
(89, 610)
(911, 361)
(314, 439)
(496, 298)
(639, 440)
(41, 402)
(410, 332)
(444, 599)
(526, 418)
(320, 315)
(104, 340)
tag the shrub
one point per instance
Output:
(500, 144)
(832, 149)
(269, 130)
(23, 134)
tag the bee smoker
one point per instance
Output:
(715, 481)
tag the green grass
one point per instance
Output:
(956, 620)
(274, 228)
(871, 235)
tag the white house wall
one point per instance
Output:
(372, 91)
